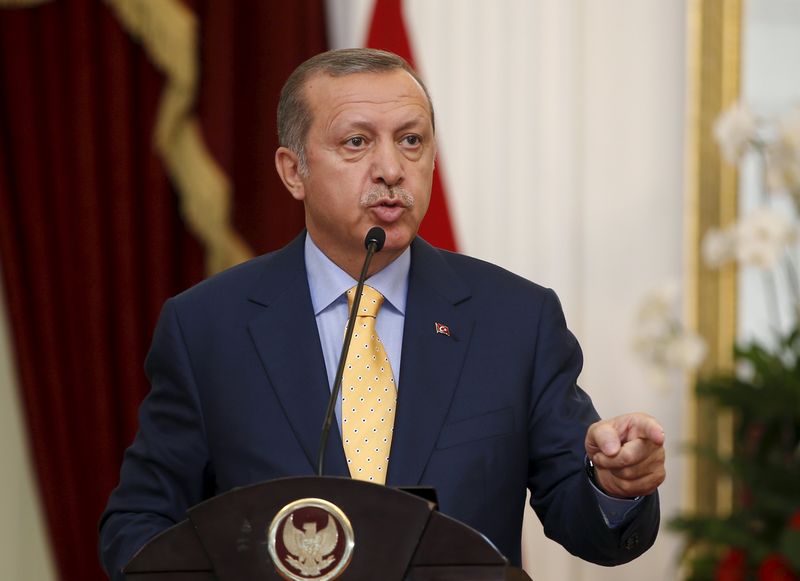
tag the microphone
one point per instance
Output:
(374, 241)
(377, 237)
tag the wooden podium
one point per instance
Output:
(320, 528)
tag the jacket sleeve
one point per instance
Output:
(166, 469)
(561, 494)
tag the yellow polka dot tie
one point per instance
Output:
(369, 395)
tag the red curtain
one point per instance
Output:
(248, 50)
(91, 240)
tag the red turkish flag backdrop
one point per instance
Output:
(387, 31)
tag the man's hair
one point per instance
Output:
(294, 115)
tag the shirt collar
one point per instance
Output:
(328, 283)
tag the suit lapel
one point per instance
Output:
(287, 340)
(431, 361)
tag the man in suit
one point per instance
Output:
(486, 398)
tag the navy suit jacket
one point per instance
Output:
(239, 391)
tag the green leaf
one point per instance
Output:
(790, 547)
(764, 464)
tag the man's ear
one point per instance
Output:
(288, 166)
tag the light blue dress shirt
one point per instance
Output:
(328, 283)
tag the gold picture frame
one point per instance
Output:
(714, 65)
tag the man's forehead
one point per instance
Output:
(321, 87)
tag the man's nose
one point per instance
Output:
(388, 164)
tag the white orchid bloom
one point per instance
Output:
(660, 303)
(789, 127)
(735, 130)
(783, 156)
(662, 341)
(719, 247)
(686, 350)
(762, 237)
(783, 167)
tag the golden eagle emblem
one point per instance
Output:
(310, 549)
(310, 538)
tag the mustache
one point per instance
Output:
(384, 194)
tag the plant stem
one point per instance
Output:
(794, 283)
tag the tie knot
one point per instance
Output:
(371, 301)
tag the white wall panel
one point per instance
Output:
(633, 192)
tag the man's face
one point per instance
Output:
(370, 152)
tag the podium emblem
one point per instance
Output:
(310, 538)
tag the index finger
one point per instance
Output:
(642, 426)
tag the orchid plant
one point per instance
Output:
(760, 538)
(766, 237)
(662, 341)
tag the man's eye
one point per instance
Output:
(412, 140)
(356, 141)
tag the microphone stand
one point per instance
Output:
(374, 241)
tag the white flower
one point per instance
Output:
(655, 315)
(789, 127)
(783, 155)
(783, 167)
(735, 129)
(719, 247)
(762, 237)
(660, 338)
(660, 303)
(686, 350)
